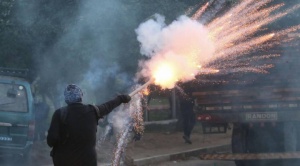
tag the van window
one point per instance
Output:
(13, 98)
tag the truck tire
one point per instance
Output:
(238, 142)
(27, 160)
(265, 139)
(24, 159)
(291, 144)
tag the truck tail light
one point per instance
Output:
(204, 117)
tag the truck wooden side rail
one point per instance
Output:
(265, 120)
(265, 104)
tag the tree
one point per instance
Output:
(63, 41)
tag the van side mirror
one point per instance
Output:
(12, 93)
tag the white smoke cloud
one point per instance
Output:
(151, 43)
(184, 46)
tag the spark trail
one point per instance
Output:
(177, 50)
(133, 122)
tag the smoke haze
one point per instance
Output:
(90, 52)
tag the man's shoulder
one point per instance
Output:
(58, 111)
(62, 113)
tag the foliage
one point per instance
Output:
(12, 44)
(63, 40)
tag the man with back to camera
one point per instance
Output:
(72, 132)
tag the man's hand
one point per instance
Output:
(124, 98)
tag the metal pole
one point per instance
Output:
(173, 103)
(141, 87)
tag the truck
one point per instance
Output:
(17, 120)
(263, 111)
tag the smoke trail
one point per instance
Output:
(80, 43)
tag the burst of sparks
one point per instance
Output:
(242, 30)
(233, 33)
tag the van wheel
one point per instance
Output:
(25, 159)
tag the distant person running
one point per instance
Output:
(188, 115)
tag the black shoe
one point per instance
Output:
(187, 139)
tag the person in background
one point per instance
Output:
(72, 132)
(41, 114)
(105, 130)
(188, 115)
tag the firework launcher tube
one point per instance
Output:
(141, 88)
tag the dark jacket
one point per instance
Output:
(74, 141)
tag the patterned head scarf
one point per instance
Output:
(73, 94)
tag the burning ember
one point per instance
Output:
(146, 92)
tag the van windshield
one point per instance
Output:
(13, 98)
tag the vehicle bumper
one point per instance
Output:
(16, 150)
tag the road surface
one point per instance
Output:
(197, 162)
